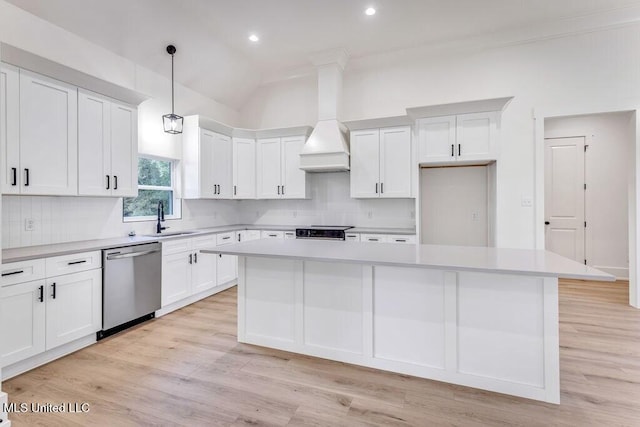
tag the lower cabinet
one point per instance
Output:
(41, 315)
(387, 238)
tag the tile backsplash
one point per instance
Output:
(65, 219)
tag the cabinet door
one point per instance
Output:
(365, 163)
(176, 277)
(207, 155)
(94, 146)
(227, 268)
(294, 179)
(244, 168)
(48, 136)
(204, 274)
(74, 306)
(395, 162)
(221, 165)
(268, 168)
(124, 150)
(475, 136)
(22, 322)
(9, 128)
(437, 139)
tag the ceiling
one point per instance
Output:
(215, 57)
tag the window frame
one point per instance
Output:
(175, 183)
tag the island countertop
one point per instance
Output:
(460, 258)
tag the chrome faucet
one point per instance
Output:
(159, 226)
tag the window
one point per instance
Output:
(156, 182)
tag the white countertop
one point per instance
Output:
(460, 258)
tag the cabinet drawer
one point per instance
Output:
(203, 242)
(272, 234)
(22, 271)
(289, 234)
(176, 246)
(226, 238)
(373, 238)
(65, 264)
(399, 238)
(352, 237)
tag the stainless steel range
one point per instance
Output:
(322, 232)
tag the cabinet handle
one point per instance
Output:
(545, 223)
(190, 258)
(401, 240)
(77, 262)
(373, 240)
(376, 188)
(53, 286)
(195, 257)
(459, 152)
(215, 189)
(12, 273)
(239, 237)
(283, 190)
(226, 238)
(278, 189)
(108, 182)
(234, 190)
(26, 177)
(115, 182)
(452, 152)
(41, 296)
(14, 171)
(220, 255)
(381, 187)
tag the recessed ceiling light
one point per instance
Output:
(370, 11)
(254, 38)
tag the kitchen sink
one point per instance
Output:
(171, 234)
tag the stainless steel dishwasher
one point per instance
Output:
(131, 286)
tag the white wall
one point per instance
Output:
(584, 68)
(606, 175)
(330, 204)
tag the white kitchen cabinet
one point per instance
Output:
(267, 234)
(289, 234)
(10, 128)
(176, 277)
(352, 237)
(74, 307)
(204, 267)
(401, 238)
(22, 321)
(247, 235)
(244, 168)
(107, 147)
(465, 137)
(48, 142)
(207, 160)
(381, 163)
(227, 264)
(374, 238)
(278, 168)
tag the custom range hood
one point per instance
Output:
(327, 149)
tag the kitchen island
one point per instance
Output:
(480, 317)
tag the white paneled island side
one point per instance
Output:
(480, 317)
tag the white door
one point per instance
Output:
(365, 163)
(204, 274)
(474, 136)
(227, 268)
(221, 165)
(437, 139)
(48, 136)
(564, 196)
(74, 306)
(244, 168)
(208, 185)
(22, 321)
(94, 146)
(395, 162)
(124, 150)
(294, 179)
(176, 277)
(268, 168)
(9, 128)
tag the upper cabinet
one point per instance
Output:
(278, 167)
(39, 123)
(460, 138)
(107, 147)
(207, 158)
(244, 168)
(381, 163)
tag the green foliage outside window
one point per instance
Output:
(155, 184)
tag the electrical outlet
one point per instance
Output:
(475, 216)
(370, 214)
(215, 215)
(413, 215)
(526, 202)
(295, 214)
(257, 214)
(29, 224)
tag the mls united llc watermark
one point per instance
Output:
(35, 407)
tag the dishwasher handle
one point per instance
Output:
(132, 254)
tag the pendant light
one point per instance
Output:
(172, 122)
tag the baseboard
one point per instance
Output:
(46, 357)
(194, 298)
(621, 273)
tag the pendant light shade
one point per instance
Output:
(172, 122)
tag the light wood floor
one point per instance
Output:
(187, 369)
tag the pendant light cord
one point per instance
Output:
(172, 94)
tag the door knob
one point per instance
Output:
(547, 223)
